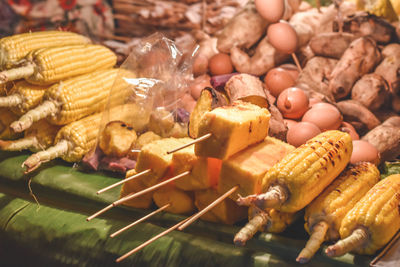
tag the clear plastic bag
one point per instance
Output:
(146, 97)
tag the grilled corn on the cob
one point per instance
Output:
(372, 222)
(300, 176)
(49, 65)
(325, 213)
(16, 47)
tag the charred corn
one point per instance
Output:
(50, 65)
(39, 137)
(324, 215)
(23, 97)
(269, 220)
(301, 175)
(372, 222)
(16, 47)
(75, 98)
(6, 118)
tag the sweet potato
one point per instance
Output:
(360, 58)
(359, 116)
(389, 68)
(371, 91)
(331, 44)
(386, 138)
(243, 30)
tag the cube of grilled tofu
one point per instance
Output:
(227, 212)
(154, 156)
(248, 167)
(144, 201)
(204, 172)
(181, 202)
(233, 128)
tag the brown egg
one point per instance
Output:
(271, 10)
(220, 64)
(289, 123)
(301, 133)
(188, 102)
(325, 116)
(364, 151)
(277, 80)
(293, 103)
(348, 128)
(199, 84)
(283, 37)
(292, 69)
(200, 65)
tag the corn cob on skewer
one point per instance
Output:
(372, 222)
(23, 97)
(49, 65)
(6, 118)
(39, 137)
(301, 175)
(269, 220)
(14, 48)
(75, 98)
(324, 215)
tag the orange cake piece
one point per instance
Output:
(248, 167)
(232, 128)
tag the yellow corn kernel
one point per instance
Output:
(23, 97)
(303, 174)
(16, 47)
(372, 222)
(50, 65)
(324, 215)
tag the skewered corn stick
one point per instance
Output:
(6, 118)
(372, 222)
(75, 98)
(23, 97)
(301, 175)
(325, 213)
(72, 142)
(49, 65)
(40, 136)
(269, 220)
(14, 48)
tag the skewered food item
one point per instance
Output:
(40, 136)
(16, 47)
(232, 129)
(269, 220)
(117, 139)
(248, 167)
(154, 157)
(49, 65)
(372, 222)
(227, 212)
(76, 98)
(325, 213)
(181, 202)
(135, 185)
(6, 118)
(302, 175)
(23, 97)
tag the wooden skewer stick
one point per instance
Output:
(135, 150)
(296, 61)
(151, 240)
(140, 220)
(208, 208)
(124, 181)
(99, 212)
(152, 188)
(199, 139)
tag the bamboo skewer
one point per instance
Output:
(296, 61)
(208, 208)
(99, 212)
(140, 220)
(199, 139)
(123, 181)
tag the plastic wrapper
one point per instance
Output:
(148, 95)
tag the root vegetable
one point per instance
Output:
(371, 91)
(389, 68)
(360, 58)
(331, 44)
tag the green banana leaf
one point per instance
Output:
(56, 232)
